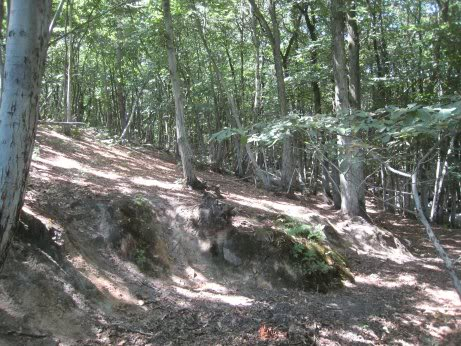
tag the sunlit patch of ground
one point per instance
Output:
(229, 299)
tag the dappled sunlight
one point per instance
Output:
(66, 163)
(270, 206)
(446, 299)
(150, 182)
(432, 267)
(344, 336)
(379, 281)
(202, 283)
(116, 289)
(249, 202)
(38, 166)
(62, 162)
(197, 286)
(54, 134)
(233, 300)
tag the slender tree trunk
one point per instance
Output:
(383, 184)
(26, 48)
(262, 175)
(119, 81)
(55, 17)
(317, 95)
(181, 134)
(424, 192)
(273, 34)
(443, 19)
(336, 183)
(132, 113)
(442, 167)
(70, 57)
(379, 91)
(449, 265)
(453, 202)
(287, 152)
(257, 104)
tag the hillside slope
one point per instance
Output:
(64, 284)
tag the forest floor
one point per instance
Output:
(77, 291)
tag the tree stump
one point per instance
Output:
(213, 212)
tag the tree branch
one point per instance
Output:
(262, 21)
(292, 41)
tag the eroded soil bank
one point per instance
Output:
(87, 276)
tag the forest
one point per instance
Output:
(208, 157)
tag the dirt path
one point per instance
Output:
(91, 297)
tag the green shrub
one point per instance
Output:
(140, 257)
(298, 229)
(319, 262)
(313, 263)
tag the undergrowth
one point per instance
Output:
(319, 262)
(296, 228)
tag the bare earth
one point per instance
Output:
(88, 295)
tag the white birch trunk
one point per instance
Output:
(2, 15)
(24, 65)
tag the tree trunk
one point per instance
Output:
(336, 183)
(273, 34)
(452, 217)
(355, 95)
(257, 104)
(2, 16)
(26, 48)
(181, 134)
(379, 91)
(262, 175)
(287, 153)
(70, 57)
(350, 165)
(449, 265)
(442, 167)
(119, 81)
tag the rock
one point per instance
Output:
(230, 257)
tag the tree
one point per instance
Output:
(69, 92)
(181, 134)
(407, 54)
(350, 165)
(26, 49)
(272, 33)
